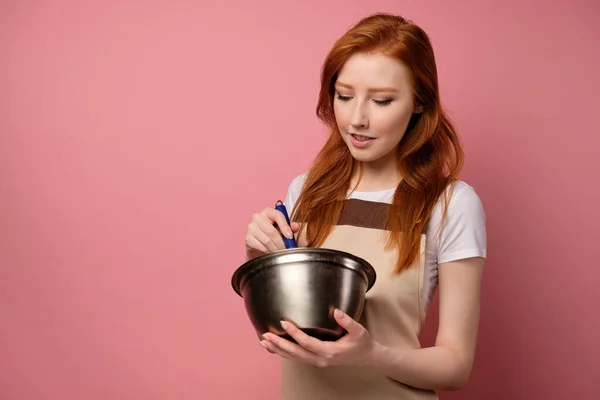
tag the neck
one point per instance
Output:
(376, 175)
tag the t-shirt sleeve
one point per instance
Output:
(463, 234)
(293, 193)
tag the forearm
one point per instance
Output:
(433, 368)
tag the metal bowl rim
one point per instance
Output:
(365, 266)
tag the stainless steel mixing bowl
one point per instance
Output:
(303, 286)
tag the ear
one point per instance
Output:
(418, 109)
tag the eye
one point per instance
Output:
(342, 98)
(383, 102)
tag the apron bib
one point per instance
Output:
(394, 313)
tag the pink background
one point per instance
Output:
(136, 142)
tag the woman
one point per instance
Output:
(384, 187)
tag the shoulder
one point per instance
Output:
(462, 232)
(297, 183)
(463, 199)
(293, 191)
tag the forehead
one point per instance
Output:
(365, 70)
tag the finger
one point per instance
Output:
(353, 327)
(263, 342)
(270, 348)
(254, 244)
(310, 343)
(295, 226)
(264, 238)
(278, 217)
(272, 234)
(291, 349)
(273, 349)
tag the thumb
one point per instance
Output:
(347, 323)
(295, 226)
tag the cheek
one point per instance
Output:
(393, 124)
(338, 113)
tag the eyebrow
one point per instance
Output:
(381, 89)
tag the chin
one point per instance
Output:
(363, 156)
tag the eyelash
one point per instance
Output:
(378, 102)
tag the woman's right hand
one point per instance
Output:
(264, 232)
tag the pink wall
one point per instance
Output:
(135, 142)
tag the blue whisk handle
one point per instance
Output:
(289, 243)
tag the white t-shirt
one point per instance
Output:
(462, 236)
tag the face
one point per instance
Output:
(373, 105)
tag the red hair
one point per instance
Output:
(429, 155)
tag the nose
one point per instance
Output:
(359, 118)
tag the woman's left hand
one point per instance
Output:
(355, 348)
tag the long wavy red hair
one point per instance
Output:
(429, 155)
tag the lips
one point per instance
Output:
(361, 137)
(361, 141)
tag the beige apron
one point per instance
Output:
(393, 315)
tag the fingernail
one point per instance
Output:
(284, 324)
(289, 235)
(265, 336)
(338, 314)
(263, 344)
